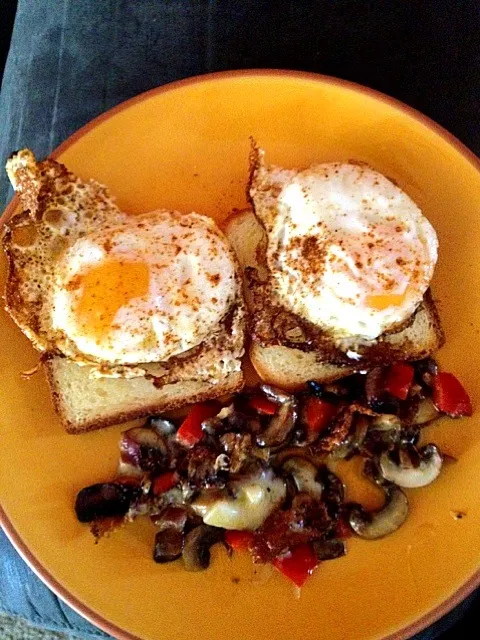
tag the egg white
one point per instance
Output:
(191, 286)
(340, 237)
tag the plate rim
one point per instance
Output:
(37, 567)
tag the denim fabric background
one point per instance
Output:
(72, 59)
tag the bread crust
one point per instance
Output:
(47, 190)
(269, 364)
(315, 355)
(207, 391)
(271, 324)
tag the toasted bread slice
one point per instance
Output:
(60, 207)
(290, 369)
(280, 362)
(85, 403)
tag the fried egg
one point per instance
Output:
(142, 291)
(348, 250)
(125, 295)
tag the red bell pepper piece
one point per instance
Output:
(164, 482)
(263, 405)
(450, 397)
(318, 414)
(399, 380)
(298, 565)
(239, 540)
(190, 431)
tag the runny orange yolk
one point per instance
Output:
(105, 289)
(382, 301)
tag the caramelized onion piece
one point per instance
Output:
(145, 449)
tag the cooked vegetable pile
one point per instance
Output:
(253, 473)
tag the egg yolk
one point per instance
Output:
(104, 290)
(382, 301)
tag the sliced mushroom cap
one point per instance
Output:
(411, 476)
(245, 506)
(277, 395)
(329, 549)
(344, 450)
(280, 427)
(304, 474)
(215, 424)
(377, 441)
(378, 524)
(353, 441)
(386, 422)
(384, 432)
(162, 426)
(196, 548)
(361, 429)
(334, 490)
(171, 523)
(426, 412)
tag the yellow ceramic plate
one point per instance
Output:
(185, 146)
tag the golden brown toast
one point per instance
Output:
(59, 207)
(85, 403)
(281, 350)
